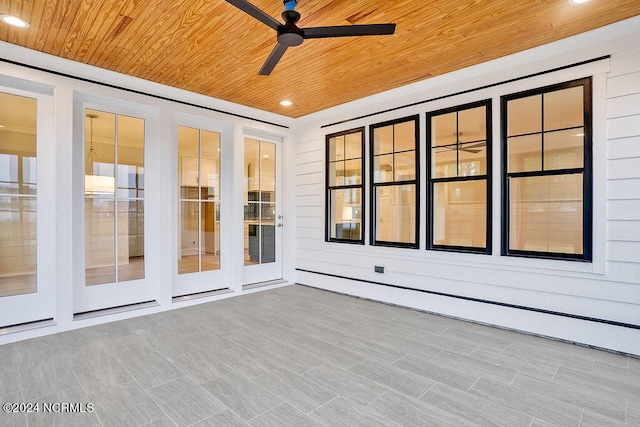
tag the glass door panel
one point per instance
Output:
(114, 211)
(199, 180)
(262, 219)
(26, 235)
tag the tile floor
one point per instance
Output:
(298, 356)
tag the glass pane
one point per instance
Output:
(395, 213)
(210, 165)
(188, 151)
(268, 171)
(564, 108)
(17, 245)
(29, 175)
(545, 214)
(251, 234)
(472, 124)
(188, 242)
(100, 146)
(99, 241)
(251, 170)
(404, 136)
(353, 145)
(130, 181)
(353, 172)
(472, 159)
(524, 115)
(383, 168)
(525, 153)
(336, 148)
(405, 166)
(130, 240)
(17, 144)
(346, 213)
(267, 233)
(460, 214)
(564, 149)
(383, 140)
(9, 183)
(130, 155)
(443, 130)
(445, 162)
(336, 173)
(210, 236)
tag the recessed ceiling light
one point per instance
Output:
(574, 2)
(286, 103)
(14, 20)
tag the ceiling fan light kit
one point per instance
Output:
(289, 34)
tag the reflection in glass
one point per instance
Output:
(383, 140)
(564, 109)
(188, 261)
(564, 149)
(395, 213)
(100, 241)
(114, 220)
(525, 153)
(260, 197)
(209, 236)
(199, 196)
(345, 203)
(444, 130)
(546, 214)
(460, 213)
(404, 136)
(18, 247)
(18, 240)
(383, 168)
(524, 115)
(346, 213)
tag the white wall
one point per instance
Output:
(607, 288)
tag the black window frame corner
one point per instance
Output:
(328, 189)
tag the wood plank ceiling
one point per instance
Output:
(210, 47)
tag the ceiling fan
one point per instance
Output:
(289, 34)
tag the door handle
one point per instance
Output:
(279, 225)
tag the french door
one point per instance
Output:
(263, 220)
(113, 206)
(27, 194)
(200, 249)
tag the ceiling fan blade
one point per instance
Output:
(261, 16)
(349, 30)
(273, 59)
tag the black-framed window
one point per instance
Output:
(345, 186)
(394, 183)
(547, 188)
(459, 178)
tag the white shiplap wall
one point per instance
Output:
(608, 288)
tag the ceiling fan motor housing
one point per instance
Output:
(289, 34)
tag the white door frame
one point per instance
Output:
(18, 309)
(104, 296)
(205, 281)
(270, 271)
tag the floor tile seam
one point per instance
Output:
(384, 386)
(581, 406)
(281, 403)
(208, 416)
(206, 393)
(427, 391)
(338, 396)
